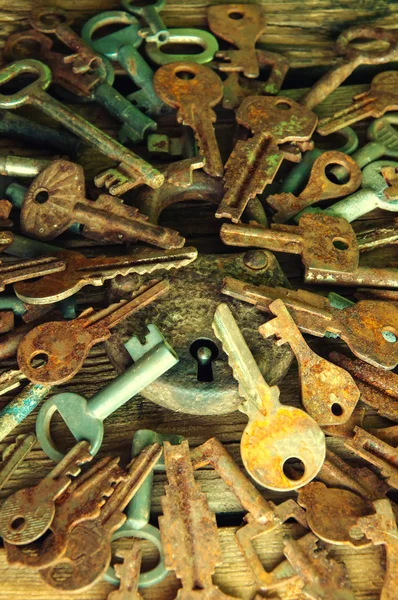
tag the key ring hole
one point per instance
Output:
(18, 524)
(162, 37)
(236, 15)
(337, 409)
(51, 19)
(340, 244)
(185, 74)
(39, 360)
(41, 196)
(389, 334)
(294, 469)
(344, 175)
(283, 105)
(25, 47)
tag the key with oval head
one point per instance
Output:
(276, 433)
(253, 163)
(27, 514)
(131, 170)
(193, 90)
(84, 418)
(353, 59)
(184, 37)
(65, 345)
(56, 200)
(156, 31)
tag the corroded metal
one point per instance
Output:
(11, 272)
(21, 406)
(377, 452)
(14, 454)
(128, 573)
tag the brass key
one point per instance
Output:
(254, 163)
(194, 89)
(131, 170)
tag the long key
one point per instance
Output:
(13, 455)
(28, 269)
(353, 59)
(193, 90)
(328, 393)
(275, 433)
(366, 326)
(131, 170)
(253, 163)
(81, 271)
(84, 418)
(27, 514)
(156, 31)
(55, 201)
(379, 99)
(88, 553)
(65, 345)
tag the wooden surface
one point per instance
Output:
(303, 31)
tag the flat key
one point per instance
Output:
(254, 163)
(193, 90)
(56, 200)
(156, 31)
(13, 455)
(131, 170)
(81, 271)
(65, 345)
(379, 99)
(28, 513)
(128, 573)
(275, 432)
(29, 269)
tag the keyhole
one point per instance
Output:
(204, 351)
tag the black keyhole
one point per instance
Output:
(204, 352)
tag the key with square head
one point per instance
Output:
(193, 90)
(27, 514)
(275, 433)
(65, 345)
(131, 170)
(88, 553)
(254, 163)
(56, 200)
(353, 59)
(28, 269)
(156, 31)
(379, 99)
(84, 418)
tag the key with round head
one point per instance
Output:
(28, 513)
(84, 418)
(275, 433)
(56, 200)
(131, 170)
(353, 58)
(156, 31)
(193, 90)
(65, 345)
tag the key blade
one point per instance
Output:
(201, 120)
(152, 339)
(348, 116)
(10, 380)
(14, 454)
(27, 269)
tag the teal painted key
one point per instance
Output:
(156, 31)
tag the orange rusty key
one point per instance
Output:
(253, 163)
(193, 90)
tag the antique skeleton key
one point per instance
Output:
(253, 163)
(27, 514)
(328, 393)
(193, 90)
(376, 451)
(11, 272)
(275, 433)
(66, 345)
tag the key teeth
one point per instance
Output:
(137, 350)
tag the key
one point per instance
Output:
(82, 501)
(28, 513)
(328, 394)
(13, 455)
(13, 413)
(131, 170)
(88, 553)
(193, 90)
(21, 166)
(28, 269)
(379, 99)
(165, 146)
(84, 418)
(254, 163)
(64, 346)
(56, 199)
(10, 380)
(366, 326)
(182, 37)
(241, 25)
(319, 186)
(128, 573)
(156, 31)
(81, 271)
(377, 452)
(289, 431)
(353, 58)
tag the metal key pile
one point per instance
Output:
(187, 330)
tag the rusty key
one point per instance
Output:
(377, 452)
(11, 272)
(128, 572)
(193, 90)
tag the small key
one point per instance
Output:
(156, 31)
(56, 199)
(353, 59)
(193, 90)
(275, 433)
(81, 271)
(366, 327)
(379, 99)
(13, 455)
(328, 393)
(28, 269)
(131, 170)
(65, 345)
(88, 553)
(27, 514)
(254, 163)
(84, 417)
